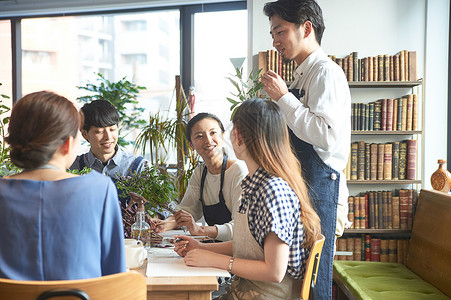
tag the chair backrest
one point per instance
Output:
(311, 268)
(429, 254)
(126, 286)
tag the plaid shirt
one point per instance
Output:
(274, 207)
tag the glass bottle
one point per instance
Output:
(441, 178)
(140, 230)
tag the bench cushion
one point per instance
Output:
(377, 280)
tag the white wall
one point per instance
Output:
(386, 27)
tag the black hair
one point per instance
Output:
(199, 117)
(297, 12)
(99, 113)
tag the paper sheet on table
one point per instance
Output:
(166, 263)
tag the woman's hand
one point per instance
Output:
(158, 225)
(183, 218)
(201, 258)
(185, 245)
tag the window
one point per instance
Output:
(116, 45)
(5, 64)
(131, 59)
(214, 45)
(135, 25)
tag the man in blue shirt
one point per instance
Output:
(100, 129)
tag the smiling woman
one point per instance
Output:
(214, 189)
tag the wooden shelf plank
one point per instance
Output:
(387, 231)
(383, 181)
(385, 132)
(384, 84)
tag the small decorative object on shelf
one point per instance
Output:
(441, 179)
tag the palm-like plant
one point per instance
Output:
(245, 88)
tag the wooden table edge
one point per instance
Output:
(182, 283)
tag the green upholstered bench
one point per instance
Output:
(375, 280)
(427, 274)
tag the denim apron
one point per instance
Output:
(323, 186)
(217, 213)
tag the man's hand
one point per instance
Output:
(274, 85)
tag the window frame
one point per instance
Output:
(186, 36)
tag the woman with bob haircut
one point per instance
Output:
(55, 225)
(276, 224)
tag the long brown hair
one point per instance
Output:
(264, 132)
(40, 123)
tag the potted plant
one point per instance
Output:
(245, 88)
(7, 168)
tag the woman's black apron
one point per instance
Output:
(217, 213)
(323, 185)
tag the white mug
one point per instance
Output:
(135, 256)
(132, 242)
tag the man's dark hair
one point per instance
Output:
(99, 113)
(297, 12)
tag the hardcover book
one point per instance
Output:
(370, 116)
(402, 160)
(384, 114)
(357, 212)
(395, 114)
(395, 160)
(375, 249)
(377, 115)
(362, 212)
(380, 161)
(411, 159)
(367, 161)
(371, 207)
(399, 114)
(351, 211)
(392, 256)
(403, 208)
(380, 210)
(387, 161)
(384, 250)
(361, 161)
(412, 57)
(395, 215)
(367, 247)
(373, 161)
(384, 210)
(409, 112)
(354, 150)
(415, 112)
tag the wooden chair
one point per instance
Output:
(126, 286)
(311, 270)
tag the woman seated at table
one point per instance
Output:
(213, 190)
(276, 224)
(55, 225)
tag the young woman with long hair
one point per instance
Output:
(275, 225)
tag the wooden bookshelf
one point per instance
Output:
(384, 84)
(385, 132)
(377, 231)
(384, 181)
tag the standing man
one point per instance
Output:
(318, 112)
